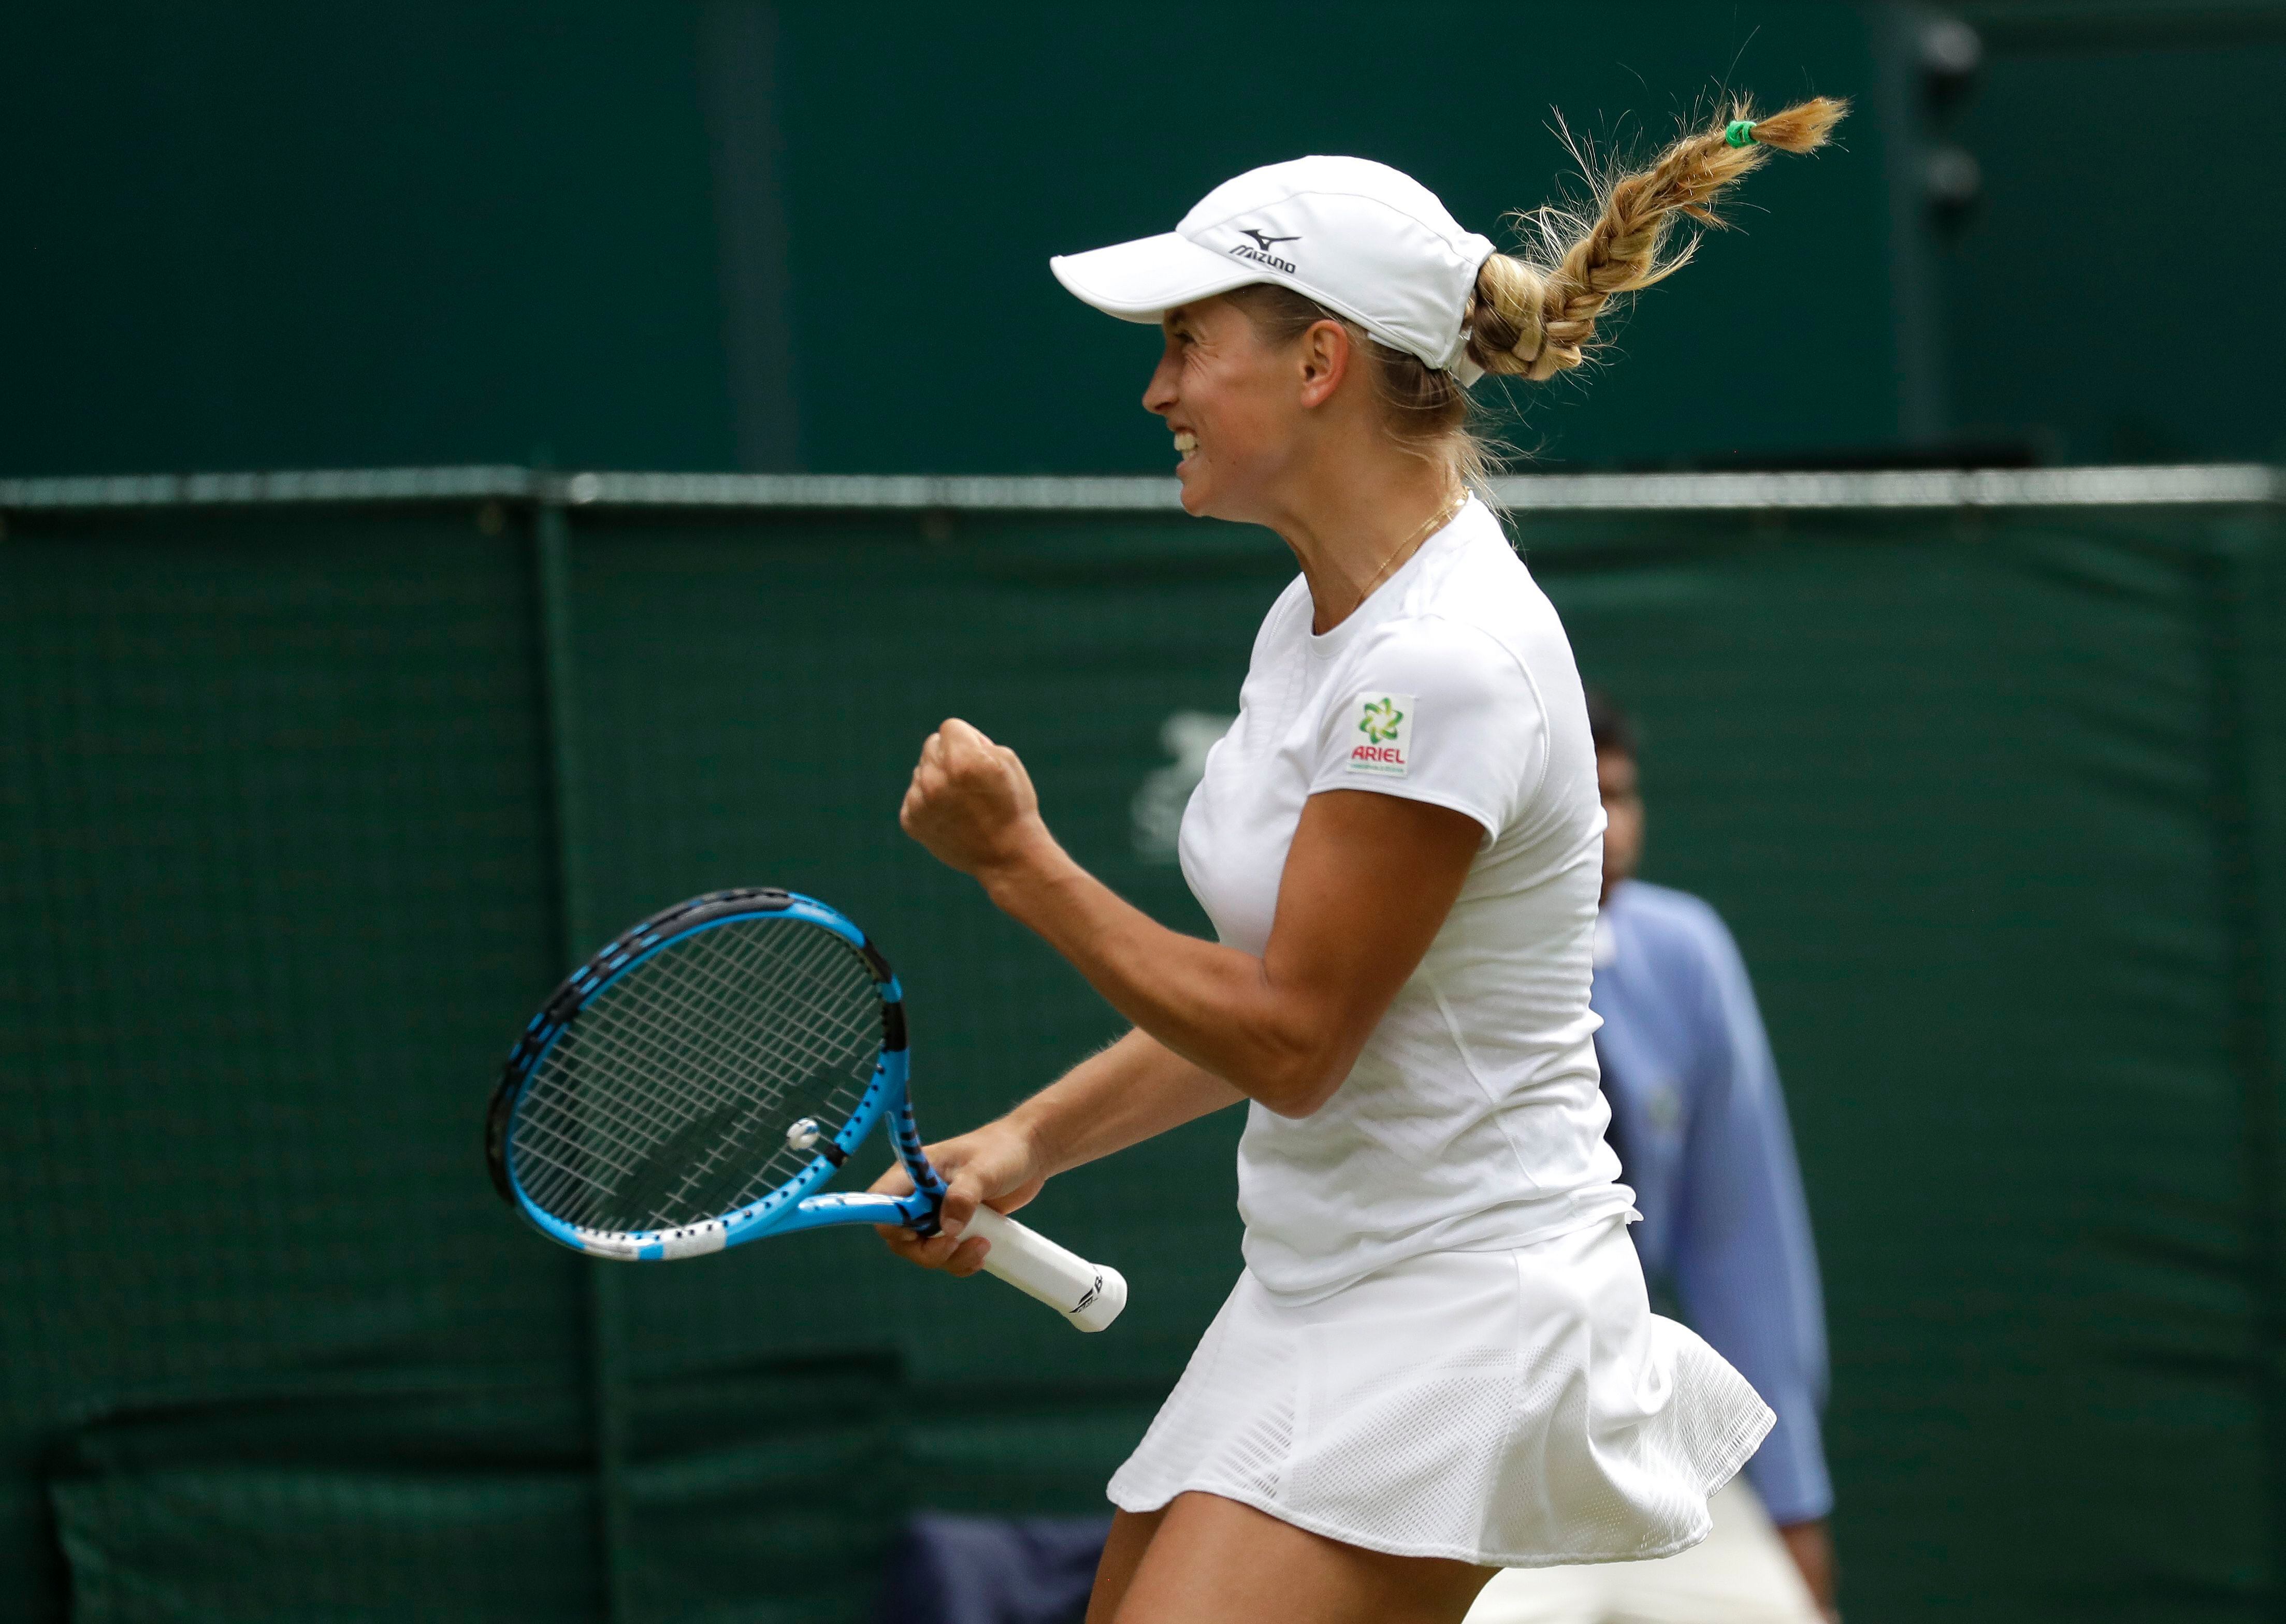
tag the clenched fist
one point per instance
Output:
(972, 803)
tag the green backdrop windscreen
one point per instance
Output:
(269, 790)
(1986, 804)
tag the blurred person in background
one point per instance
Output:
(1699, 1124)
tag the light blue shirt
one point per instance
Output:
(1701, 1127)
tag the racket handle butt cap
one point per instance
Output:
(1110, 1298)
(1090, 1295)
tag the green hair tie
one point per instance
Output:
(1741, 132)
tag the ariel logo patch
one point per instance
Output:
(1381, 734)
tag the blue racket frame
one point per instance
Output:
(793, 1205)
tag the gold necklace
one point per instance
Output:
(1437, 522)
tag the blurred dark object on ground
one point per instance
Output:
(993, 1570)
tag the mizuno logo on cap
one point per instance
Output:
(1260, 253)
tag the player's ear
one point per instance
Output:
(1324, 357)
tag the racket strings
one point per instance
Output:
(667, 1100)
(806, 1043)
(685, 1017)
(626, 1032)
(692, 1013)
(706, 1060)
(611, 1036)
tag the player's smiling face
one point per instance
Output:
(1229, 401)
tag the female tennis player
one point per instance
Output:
(1438, 1360)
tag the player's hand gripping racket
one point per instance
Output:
(691, 1085)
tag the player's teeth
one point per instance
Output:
(1186, 444)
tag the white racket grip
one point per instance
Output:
(1090, 1295)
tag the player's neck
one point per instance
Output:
(1353, 521)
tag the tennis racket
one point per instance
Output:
(692, 1085)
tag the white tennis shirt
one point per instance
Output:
(1472, 1121)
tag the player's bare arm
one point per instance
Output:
(1131, 1090)
(1282, 1028)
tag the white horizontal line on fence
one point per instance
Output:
(2059, 487)
(2196, 483)
(341, 485)
(902, 492)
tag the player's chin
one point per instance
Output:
(1197, 488)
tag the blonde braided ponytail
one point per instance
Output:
(1533, 316)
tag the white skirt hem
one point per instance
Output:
(1506, 1409)
(1366, 1540)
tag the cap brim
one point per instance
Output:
(1143, 279)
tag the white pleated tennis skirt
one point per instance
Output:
(1511, 1409)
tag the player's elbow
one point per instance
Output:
(1297, 1078)
(1292, 1098)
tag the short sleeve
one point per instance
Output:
(1439, 711)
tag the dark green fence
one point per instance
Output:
(310, 786)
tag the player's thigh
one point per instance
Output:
(1123, 1553)
(1214, 1558)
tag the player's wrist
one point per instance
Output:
(1034, 1140)
(1027, 865)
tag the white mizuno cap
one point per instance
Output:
(1363, 239)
